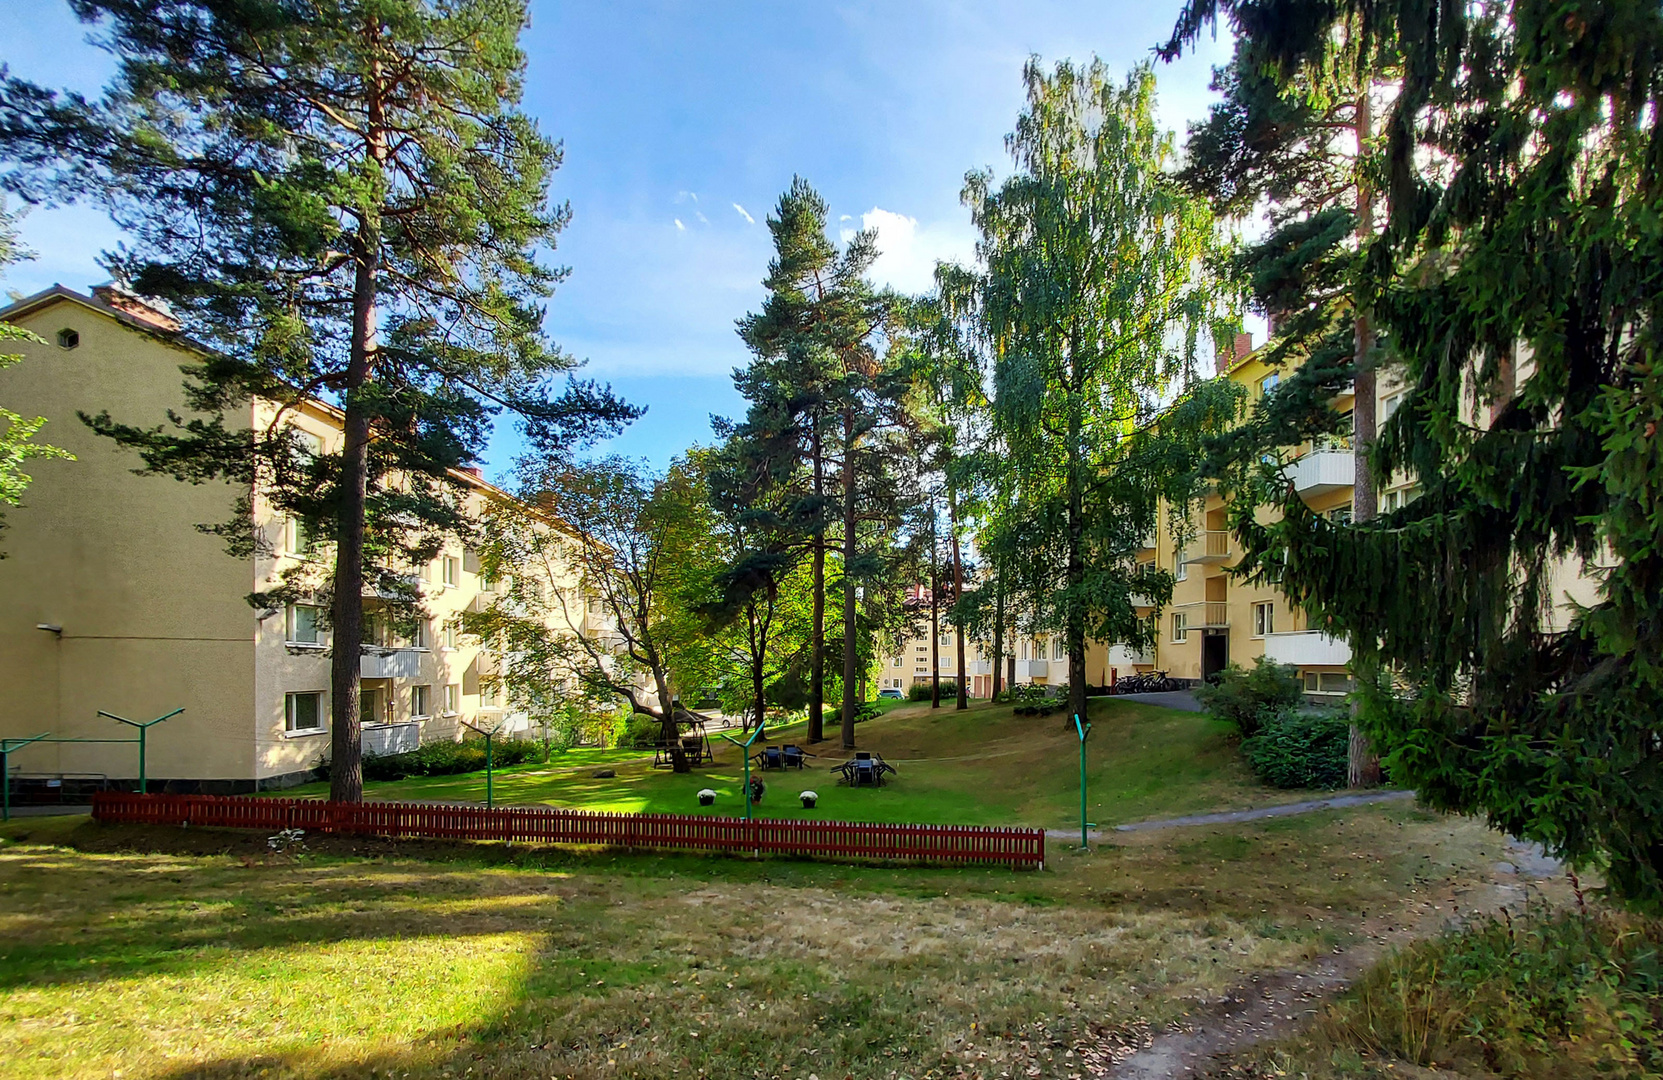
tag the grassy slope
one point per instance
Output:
(983, 766)
(191, 953)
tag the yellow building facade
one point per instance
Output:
(112, 599)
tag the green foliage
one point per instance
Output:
(1519, 283)
(1300, 748)
(1547, 994)
(920, 691)
(1090, 309)
(1247, 698)
(636, 730)
(448, 758)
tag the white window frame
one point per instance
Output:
(1180, 626)
(448, 634)
(450, 571)
(289, 713)
(297, 544)
(420, 637)
(1269, 383)
(1264, 618)
(1181, 571)
(289, 619)
(421, 701)
(1059, 649)
(453, 699)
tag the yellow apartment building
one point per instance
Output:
(112, 599)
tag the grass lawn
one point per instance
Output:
(979, 767)
(169, 953)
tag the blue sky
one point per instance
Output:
(683, 122)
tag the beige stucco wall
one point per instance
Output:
(152, 610)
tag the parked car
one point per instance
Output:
(892, 693)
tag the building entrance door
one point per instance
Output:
(1215, 653)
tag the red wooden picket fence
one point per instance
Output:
(840, 840)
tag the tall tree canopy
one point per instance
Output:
(341, 199)
(1518, 277)
(1093, 301)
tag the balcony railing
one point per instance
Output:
(1032, 669)
(1307, 648)
(1205, 614)
(1212, 546)
(390, 664)
(1323, 471)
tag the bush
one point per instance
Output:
(1301, 749)
(636, 730)
(1248, 698)
(449, 758)
(1546, 994)
(921, 691)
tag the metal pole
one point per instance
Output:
(490, 794)
(6, 748)
(745, 749)
(1083, 730)
(144, 730)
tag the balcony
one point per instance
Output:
(1205, 614)
(1307, 648)
(978, 667)
(1139, 600)
(1322, 471)
(1032, 669)
(1124, 656)
(383, 739)
(390, 664)
(1146, 543)
(1213, 546)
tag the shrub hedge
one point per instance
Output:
(1301, 749)
(449, 758)
(1247, 698)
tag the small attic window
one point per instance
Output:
(68, 339)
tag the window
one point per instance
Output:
(303, 711)
(374, 706)
(300, 625)
(68, 339)
(490, 697)
(895, 661)
(1059, 649)
(419, 698)
(418, 636)
(1398, 498)
(450, 570)
(1023, 649)
(1264, 619)
(1180, 626)
(296, 539)
(375, 632)
(1268, 384)
(1327, 682)
(946, 640)
(1389, 405)
(1340, 515)
(489, 584)
(448, 635)
(453, 699)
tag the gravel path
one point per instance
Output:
(1227, 817)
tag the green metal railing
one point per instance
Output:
(10, 745)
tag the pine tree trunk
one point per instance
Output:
(1362, 767)
(963, 697)
(849, 536)
(346, 742)
(817, 632)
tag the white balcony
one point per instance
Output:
(1146, 542)
(1212, 546)
(383, 739)
(1124, 656)
(390, 664)
(1323, 471)
(1032, 669)
(978, 667)
(1139, 600)
(1307, 648)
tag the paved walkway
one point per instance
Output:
(1229, 816)
(1169, 699)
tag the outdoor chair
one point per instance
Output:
(794, 757)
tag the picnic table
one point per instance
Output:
(865, 769)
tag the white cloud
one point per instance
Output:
(679, 226)
(700, 215)
(684, 196)
(744, 213)
(908, 251)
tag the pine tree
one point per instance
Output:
(341, 199)
(1518, 279)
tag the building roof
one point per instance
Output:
(155, 328)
